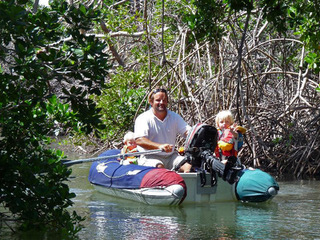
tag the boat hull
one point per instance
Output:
(252, 185)
(173, 195)
(156, 186)
(169, 196)
(220, 192)
(149, 185)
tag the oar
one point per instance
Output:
(122, 156)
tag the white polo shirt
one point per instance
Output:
(166, 131)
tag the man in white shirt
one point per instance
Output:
(158, 128)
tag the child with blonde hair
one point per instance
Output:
(130, 146)
(230, 136)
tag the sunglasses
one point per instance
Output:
(159, 90)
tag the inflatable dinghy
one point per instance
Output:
(211, 181)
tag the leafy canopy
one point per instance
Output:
(209, 20)
(48, 69)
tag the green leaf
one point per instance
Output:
(83, 9)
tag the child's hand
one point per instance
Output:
(241, 129)
(234, 131)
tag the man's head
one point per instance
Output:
(155, 91)
(158, 99)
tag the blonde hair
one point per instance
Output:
(224, 114)
(128, 136)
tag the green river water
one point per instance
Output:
(293, 214)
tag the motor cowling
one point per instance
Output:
(202, 137)
(199, 149)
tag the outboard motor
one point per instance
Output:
(199, 148)
(202, 137)
(252, 185)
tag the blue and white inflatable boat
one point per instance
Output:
(156, 186)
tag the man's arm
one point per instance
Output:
(148, 144)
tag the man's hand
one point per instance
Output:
(166, 147)
(149, 145)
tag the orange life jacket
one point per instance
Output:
(226, 142)
(130, 149)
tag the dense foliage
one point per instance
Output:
(120, 104)
(48, 70)
(258, 58)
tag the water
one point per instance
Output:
(293, 214)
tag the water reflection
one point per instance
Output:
(255, 221)
(123, 219)
(112, 218)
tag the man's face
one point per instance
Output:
(160, 102)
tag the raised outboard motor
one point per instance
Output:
(202, 137)
(252, 185)
(199, 148)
